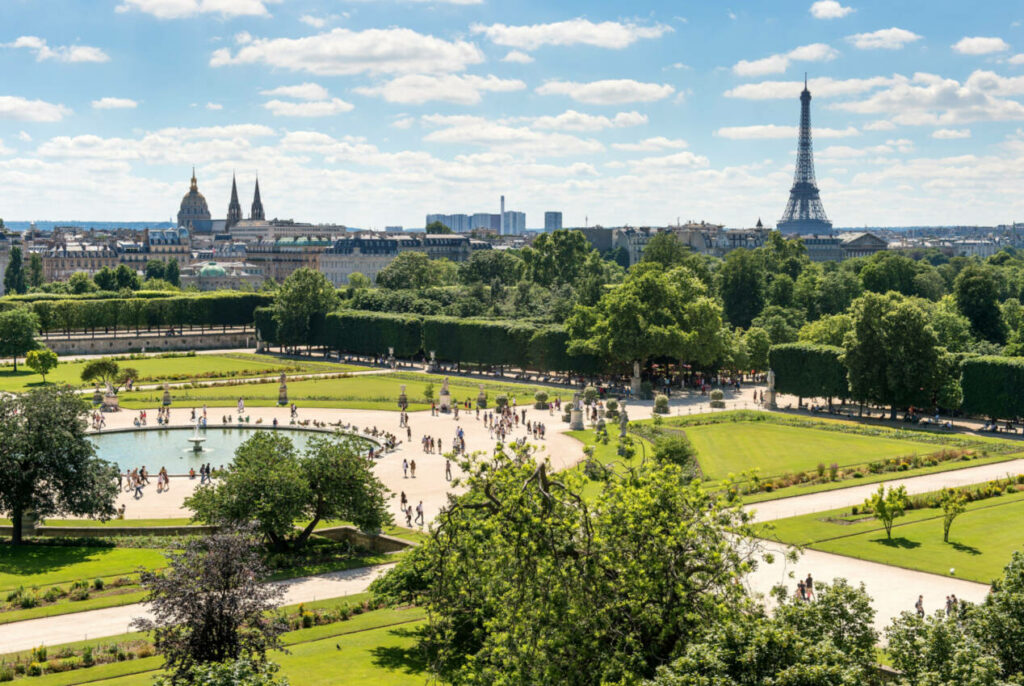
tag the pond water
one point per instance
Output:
(171, 448)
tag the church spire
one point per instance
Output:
(257, 204)
(234, 207)
(195, 185)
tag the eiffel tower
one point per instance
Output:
(804, 213)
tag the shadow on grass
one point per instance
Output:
(411, 660)
(898, 542)
(27, 560)
(964, 548)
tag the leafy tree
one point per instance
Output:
(155, 269)
(619, 256)
(665, 249)
(242, 672)
(998, 622)
(35, 270)
(172, 273)
(780, 290)
(941, 651)
(891, 354)
(18, 329)
(415, 270)
(302, 302)
(126, 277)
(268, 483)
(556, 258)
(438, 227)
(741, 284)
(358, 281)
(829, 330)
(782, 324)
(887, 506)
(953, 502)
(758, 344)
(888, 271)
(489, 266)
(210, 606)
(48, 465)
(676, 449)
(105, 279)
(79, 283)
(42, 361)
(108, 372)
(929, 284)
(976, 290)
(524, 581)
(14, 275)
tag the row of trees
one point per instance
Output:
(20, 278)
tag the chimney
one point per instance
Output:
(502, 224)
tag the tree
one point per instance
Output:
(976, 290)
(105, 279)
(556, 258)
(14, 275)
(829, 330)
(758, 344)
(941, 651)
(268, 483)
(488, 266)
(18, 329)
(888, 271)
(79, 283)
(953, 502)
(302, 302)
(741, 284)
(438, 227)
(524, 581)
(172, 274)
(42, 361)
(155, 269)
(665, 249)
(108, 372)
(358, 281)
(126, 277)
(48, 465)
(887, 506)
(998, 623)
(35, 270)
(210, 605)
(414, 270)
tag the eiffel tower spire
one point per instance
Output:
(804, 213)
(257, 204)
(234, 207)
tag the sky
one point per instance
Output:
(373, 113)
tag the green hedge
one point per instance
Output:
(96, 295)
(994, 386)
(201, 309)
(809, 371)
(371, 333)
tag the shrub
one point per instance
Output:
(13, 596)
(677, 449)
(501, 401)
(72, 662)
(307, 619)
(79, 593)
(39, 654)
(833, 471)
(541, 398)
(28, 600)
(646, 390)
(52, 594)
(56, 665)
(821, 469)
(661, 404)
(717, 399)
(97, 584)
(6, 672)
(611, 408)
(87, 659)
(34, 669)
(589, 395)
(145, 650)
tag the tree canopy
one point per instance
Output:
(18, 328)
(302, 302)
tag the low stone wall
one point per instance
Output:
(380, 543)
(110, 344)
(109, 531)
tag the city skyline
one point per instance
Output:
(378, 113)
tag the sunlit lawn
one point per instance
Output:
(39, 565)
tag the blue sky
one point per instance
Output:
(375, 112)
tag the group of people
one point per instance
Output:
(98, 421)
(205, 473)
(407, 510)
(805, 588)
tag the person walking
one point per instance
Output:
(419, 513)
(801, 590)
(809, 586)
(919, 606)
(405, 468)
(447, 470)
(412, 469)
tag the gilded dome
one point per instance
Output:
(194, 210)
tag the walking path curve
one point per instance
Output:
(51, 631)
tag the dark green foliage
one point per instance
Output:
(675, 448)
(18, 329)
(14, 275)
(741, 284)
(371, 333)
(809, 371)
(993, 386)
(977, 296)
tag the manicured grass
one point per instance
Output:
(369, 392)
(607, 454)
(158, 369)
(774, 449)
(981, 540)
(42, 565)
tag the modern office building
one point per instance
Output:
(552, 221)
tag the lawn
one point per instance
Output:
(608, 453)
(981, 540)
(37, 565)
(775, 449)
(178, 368)
(366, 392)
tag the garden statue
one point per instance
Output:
(771, 389)
(623, 421)
(403, 399)
(167, 395)
(481, 398)
(635, 381)
(282, 393)
(576, 413)
(445, 397)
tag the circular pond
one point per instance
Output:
(172, 448)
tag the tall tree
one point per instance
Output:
(48, 465)
(556, 258)
(438, 227)
(210, 605)
(172, 274)
(415, 270)
(126, 277)
(108, 372)
(155, 269)
(741, 284)
(665, 249)
(105, 279)
(42, 361)
(14, 275)
(301, 304)
(35, 270)
(18, 329)
(976, 290)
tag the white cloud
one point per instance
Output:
(777, 64)
(417, 89)
(24, 136)
(342, 52)
(608, 92)
(499, 136)
(980, 45)
(607, 34)
(571, 120)
(303, 91)
(403, 123)
(820, 88)
(674, 161)
(951, 134)
(180, 9)
(22, 109)
(517, 56)
(319, 108)
(883, 39)
(829, 9)
(114, 104)
(759, 131)
(1017, 59)
(315, 22)
(4, 150)
(214, 106)
(652, 145)
(61, 53)
(879, 125)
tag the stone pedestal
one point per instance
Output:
(481, 398)
(167, 396)
(576, 419)
(282, 392)
(111, 403)
(634, 386)
(28, 524)
(444, 401)
(97, 398)
(403, 399)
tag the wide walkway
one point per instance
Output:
(51, 631)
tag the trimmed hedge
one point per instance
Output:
(994, 386)
(809, 371)
(371, 333)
